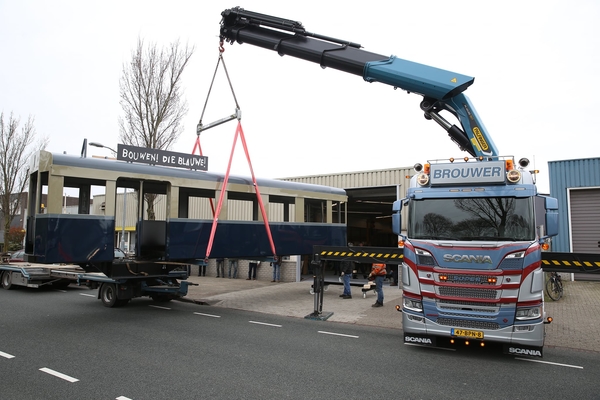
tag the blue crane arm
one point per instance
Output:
(441, 90)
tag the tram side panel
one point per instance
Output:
(188, 239)
(71, 238)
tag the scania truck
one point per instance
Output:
(471, 266)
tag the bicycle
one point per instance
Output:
(554, 286)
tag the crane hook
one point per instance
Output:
(221, 48)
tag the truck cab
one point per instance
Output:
(472, 253)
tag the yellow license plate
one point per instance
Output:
(467, 333)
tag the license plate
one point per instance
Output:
(467, 333)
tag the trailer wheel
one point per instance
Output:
(7, 280)
(108, 295)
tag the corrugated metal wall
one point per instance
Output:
(350, 180)
(565, 175)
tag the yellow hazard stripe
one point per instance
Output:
(360, 254)
(568, 263)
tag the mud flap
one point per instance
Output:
(520, 350)
(420, 340)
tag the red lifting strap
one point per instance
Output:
(239, 132)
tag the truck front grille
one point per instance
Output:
(463, 323)
(467, 306)
(468, 292)
(469, 279)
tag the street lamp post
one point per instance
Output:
(122, 244)
(96, 144)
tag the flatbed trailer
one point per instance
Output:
(113, 292)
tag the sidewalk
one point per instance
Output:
(576, 316)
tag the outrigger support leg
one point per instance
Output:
(318, 289)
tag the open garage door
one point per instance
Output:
(369, 215)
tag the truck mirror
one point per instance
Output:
(551, 205)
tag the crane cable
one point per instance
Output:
(238, 132)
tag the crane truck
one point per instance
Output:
(470, 258)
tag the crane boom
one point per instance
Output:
(441, 90)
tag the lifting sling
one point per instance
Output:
(238, 132)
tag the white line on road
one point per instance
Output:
(338, 334)
(59, 375)
(207, 315)
(264, 323)
(123, 398)
(6, 355)
(88, 295)
(548, 362)
(162, 308)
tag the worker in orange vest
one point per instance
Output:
(378, 273)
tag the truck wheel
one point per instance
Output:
(7, 280)
(108, 294)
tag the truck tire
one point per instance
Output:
(7, 280)
(108, 295)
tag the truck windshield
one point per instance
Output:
(493, 218)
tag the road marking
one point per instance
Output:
(550, 363)
(161, 307)
(88, 295)
(338, 334)
(6, 355)
(59, 375)
(264, 323)
(122, 398)
(207, 315)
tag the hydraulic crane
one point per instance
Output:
(441, 90)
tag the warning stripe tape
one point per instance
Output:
(360, 254)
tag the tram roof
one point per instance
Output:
(146, 169)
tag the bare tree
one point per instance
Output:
(152, 98)
(16, 147)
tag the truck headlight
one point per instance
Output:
(412, 304)
(529, 313)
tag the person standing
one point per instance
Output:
(347, 268)
(220, 267)
(252, 266)
(276, 269)
(378, 272)
(233, 266)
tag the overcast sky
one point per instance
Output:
(535, 63)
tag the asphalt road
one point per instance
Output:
(66, 345)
